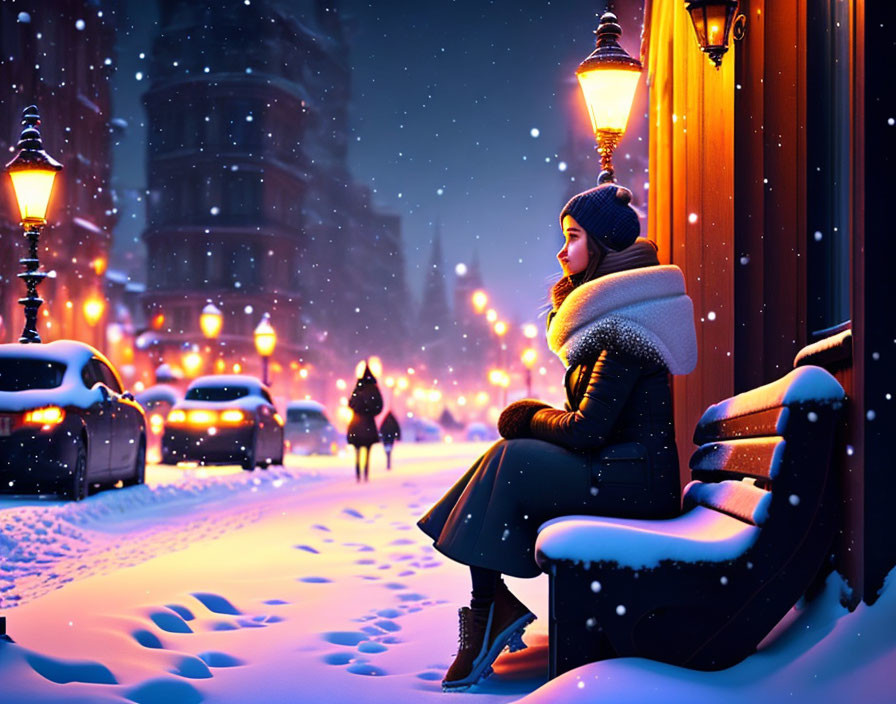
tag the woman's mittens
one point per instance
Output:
(515, 420)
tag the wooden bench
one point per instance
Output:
(703, 589)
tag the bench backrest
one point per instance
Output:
(764, 456)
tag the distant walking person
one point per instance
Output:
(366, 402)
(390, 432)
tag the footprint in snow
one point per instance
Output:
(370, 647)
(338, 658)
(402, 541)
(147, 639)
(318, 526)
(213, 658)
(353, 513)
(181, 611)
(315, 580)
(410, 596)
(388, 613)
(394, 585)
(62, 672)
(164, 690)
(430, 676)
(169, 622)
(216, 604)
(362, 668)
(275, 602)
(351, 638)
(388, 625)
(307, 548)
(365, 561)
(191, 667)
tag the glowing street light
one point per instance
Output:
(480, 300)
(210, 321)
(265, 342)
(33, 172)
(491, 315)
(530, 331)
(500, 328)
(528, 358)
(93, 310)
(608, 78)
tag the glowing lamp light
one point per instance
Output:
(608, 78)
(491, 315)
(192, 362)
(93, 310)
(530, 331)
(712, 20)
(529, 357)
(232, 415)
(265, 337)
(51, 415)
(210, 321)
(500, 328)
(480, 301)
(402, 383)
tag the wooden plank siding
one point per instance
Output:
(692, 178)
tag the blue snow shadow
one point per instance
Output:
(62, 672)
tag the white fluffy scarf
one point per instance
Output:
(643, 312)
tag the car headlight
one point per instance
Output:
(177, 416)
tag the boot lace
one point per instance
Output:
(465, 616)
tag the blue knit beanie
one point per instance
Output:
(605, 214)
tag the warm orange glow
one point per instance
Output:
(51, 415)
(390, 381)
(341, 385)
(199, 416)
(498, 377)
(278, 419)
(303, 373)
(530, 331)
(156, 423)
(177, 416)
(99, 266)
(480, 301)
(491, 315)
(93, 310)
(402, 383)
(434, 396)
(344, 414)
(237, 367)
(232, 415)
(265, 337)
(609, 93)
(529, 357)
(210, 321)
(33, 188)
(482, 398)
(500, 328)
(220, 366)
(158, 320)
(192, 362)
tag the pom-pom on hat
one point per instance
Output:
(606, 215)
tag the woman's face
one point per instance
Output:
(574, 256)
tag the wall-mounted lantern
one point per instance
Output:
(713, 20)
(608, 77)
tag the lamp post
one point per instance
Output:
(528, 358)
(33, 172)
(210, 321)
(265, 342)
(608, 78)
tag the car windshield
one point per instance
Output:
(302, 415)
(216, 393)
(23, 373)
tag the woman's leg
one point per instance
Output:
(357, 463)
(367, 463)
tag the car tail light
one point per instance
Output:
(199, 417)
(49, 416)
(232, 415)
(177, 416)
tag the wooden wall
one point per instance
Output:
(691, 198)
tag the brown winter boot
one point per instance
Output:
(509, 621)
(470, 665)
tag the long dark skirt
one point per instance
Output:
(490, 517)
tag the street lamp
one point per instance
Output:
(33, 172)
(210, 321)
(712, 20)
(608, 78)
(265, 342)
(480, 300)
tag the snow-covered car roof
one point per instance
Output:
(219, 380)
(71, 392)
(159, 392)
(305, 405)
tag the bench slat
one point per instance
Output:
(758, 458)
(772, 421)
(734, 498)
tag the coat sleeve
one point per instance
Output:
(612, 379)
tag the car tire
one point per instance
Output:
(139, 466)
(248, 462)
(78, 488)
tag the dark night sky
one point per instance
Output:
(446, 95)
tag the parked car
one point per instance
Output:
(422, 430)
(308, 431)
(156, 401)
(224, 419)
(65, 422)
(480, 432)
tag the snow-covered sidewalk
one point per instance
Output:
(297, 585)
